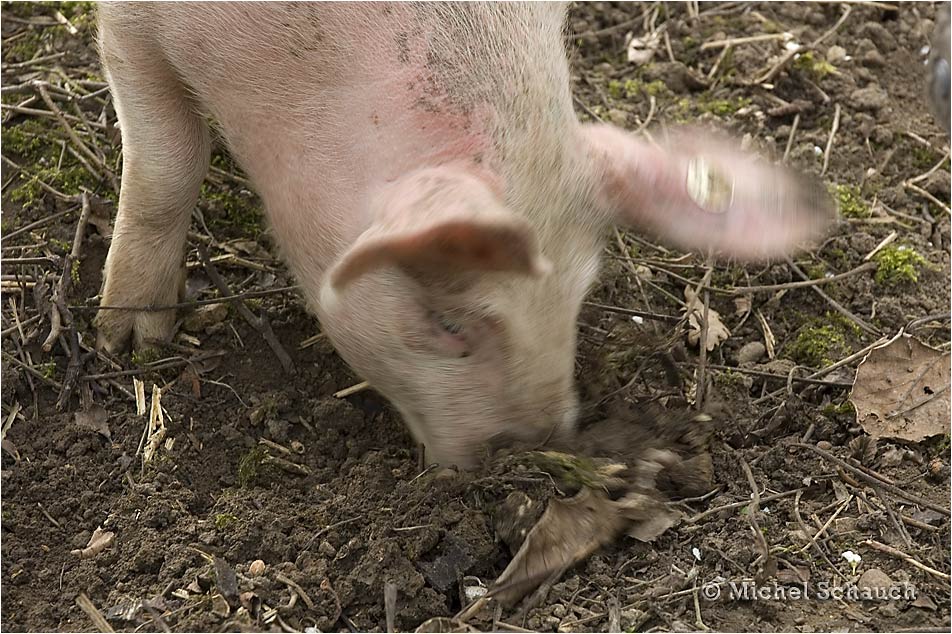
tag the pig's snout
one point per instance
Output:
(464, 439)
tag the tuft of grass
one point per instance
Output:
(897, 264)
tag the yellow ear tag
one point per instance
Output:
(708, 187)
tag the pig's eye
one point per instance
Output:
(449, 335)
(449, 326)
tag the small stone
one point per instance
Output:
(875, 579)
(278, 430)
(204, 316)
(845, 525)
(874, 59)
(888, 610)
(325, 548)
(937, 184)
(751, 352)
(618, 117)
(825, 445)
(924, 602)
(209, 538)
(872, 98)
(474, 592)
(644, 273)
(880, 36)
(632, 619)
(835, 54)
(444, 571)
(882, 135)
(81, 539)
(257, 568)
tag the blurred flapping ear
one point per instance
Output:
(701, 192)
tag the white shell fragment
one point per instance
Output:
(708, 187)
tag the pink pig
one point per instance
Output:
(428, 183)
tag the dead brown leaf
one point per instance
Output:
(100, 214)
(901, 391)
(572, 529)
(569, 531)
(100, 541)
(94, 419)
(717, 332)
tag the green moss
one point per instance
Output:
(635, 88)
(232, 209)
(838, 257)
(686, 108)
(897, 264)
(923, 158)
(815, 345)
(724, 107)
(27, 139)
(574, 471)
(729, 379)
(48, 369)
(849, 201)
(833, 410)
(811, 64)
(145, 356)
(692, 50)
(815, 270)
(35, 144)
(252, 466)
(822, 341)
(25, 47)
(77, 9)
(62, 246)
(74, 272)
(224, 520)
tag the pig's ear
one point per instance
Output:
(440, 220)
(701, 192)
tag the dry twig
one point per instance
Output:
(260, 324)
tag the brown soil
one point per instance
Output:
(329, 493)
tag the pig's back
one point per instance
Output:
(303, 61)
(320, 101)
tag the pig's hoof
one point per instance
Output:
(144, 330)
(446, 473)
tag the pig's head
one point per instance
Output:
(459, 302)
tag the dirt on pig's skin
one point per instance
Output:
(335, 501)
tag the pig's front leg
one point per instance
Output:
(165, 151)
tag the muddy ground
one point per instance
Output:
(331, 495)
